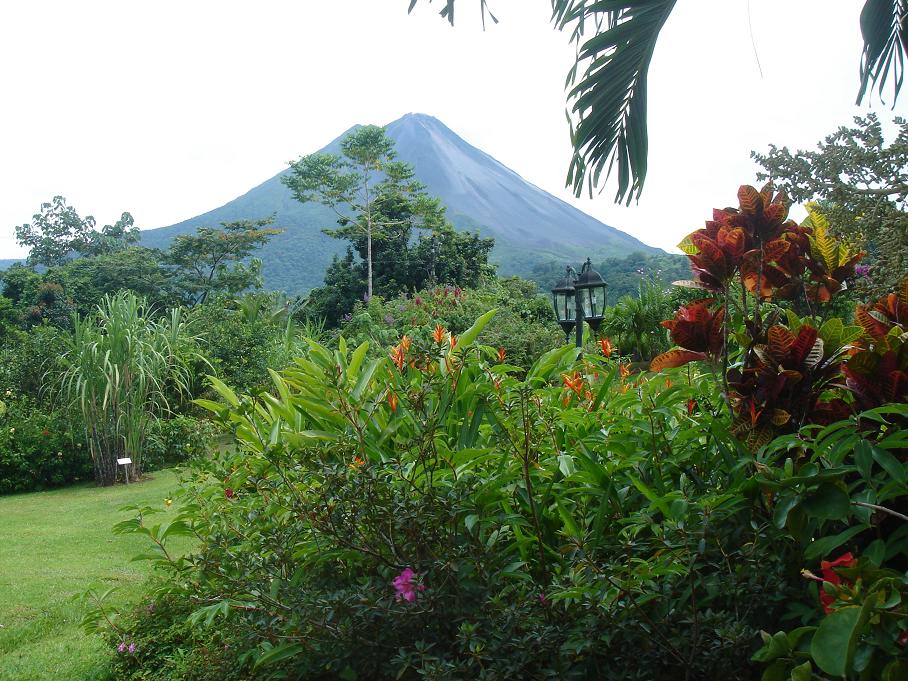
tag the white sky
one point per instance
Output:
(172, 108)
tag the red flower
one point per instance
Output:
(691, 405)
(229, 493)
(606, 346)
(501, 354)
(438, 335)
(846, 560)
(392, 402)
(45, 432)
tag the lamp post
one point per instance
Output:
(579, 298)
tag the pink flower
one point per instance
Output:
(404, 586)
(131, 648)
(122, 647)
(542, 599)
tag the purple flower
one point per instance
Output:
(347, 317)
(404, 586)
(862, 270)
(389, 319)
(122, 647)
(542, 599)
(132, 648)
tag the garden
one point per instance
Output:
(424, 470)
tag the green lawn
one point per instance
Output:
(54, 545)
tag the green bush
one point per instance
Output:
(37, 447)
(524, 325)
(166, 646)
(449, 520)
(177, 439)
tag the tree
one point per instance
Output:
(215, 260)
(364, 181)
(862, 186)
(57, 232)
(607, 96)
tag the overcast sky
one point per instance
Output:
(169, 109)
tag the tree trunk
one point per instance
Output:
(368, 261)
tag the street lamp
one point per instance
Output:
(579, 299)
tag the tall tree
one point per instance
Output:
(615, 42)
(218, 260)
(58, 231)
(360, 186)
(862, 184)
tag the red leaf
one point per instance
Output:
(780, 340)
(807, 336)
(675, 358)
(750, 200)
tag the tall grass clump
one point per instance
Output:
(123, 367)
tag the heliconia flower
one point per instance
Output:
(452, 339)
(606, 346)
(404, 586)
(405, 343)
(497, 385)
(397, 356)
(574, 382)
(501, 354)
(691, 405)
(229, 493)
(392, 402)
(438, 335)
(358, 462)
(624, 370)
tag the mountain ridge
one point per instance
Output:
(479, 192)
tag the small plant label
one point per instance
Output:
(124, 461)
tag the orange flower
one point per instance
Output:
(397, 356)
(439, 334)
(501, 354)
(392, 402)
(624, 370)
(606, 345)
(405, 343)
(358, 462)
(497, 385)
(574, 382)
(668, 383)
(452, 339)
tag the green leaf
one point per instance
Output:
(829, 502)
(822, 547)
(890, 464)
(279, 653)
(469, 336)
(834, 642)
(803, 672)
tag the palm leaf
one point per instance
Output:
(609, 100)
(884, 26)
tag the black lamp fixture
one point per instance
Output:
(579, 299)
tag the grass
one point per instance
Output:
(53, 546)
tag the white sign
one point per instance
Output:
(124, 461)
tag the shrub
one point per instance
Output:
(37, 448)
(449, 520)
(175, 440)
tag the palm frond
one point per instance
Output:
(607, 101)
(884, 27)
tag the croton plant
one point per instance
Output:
(785, 370)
